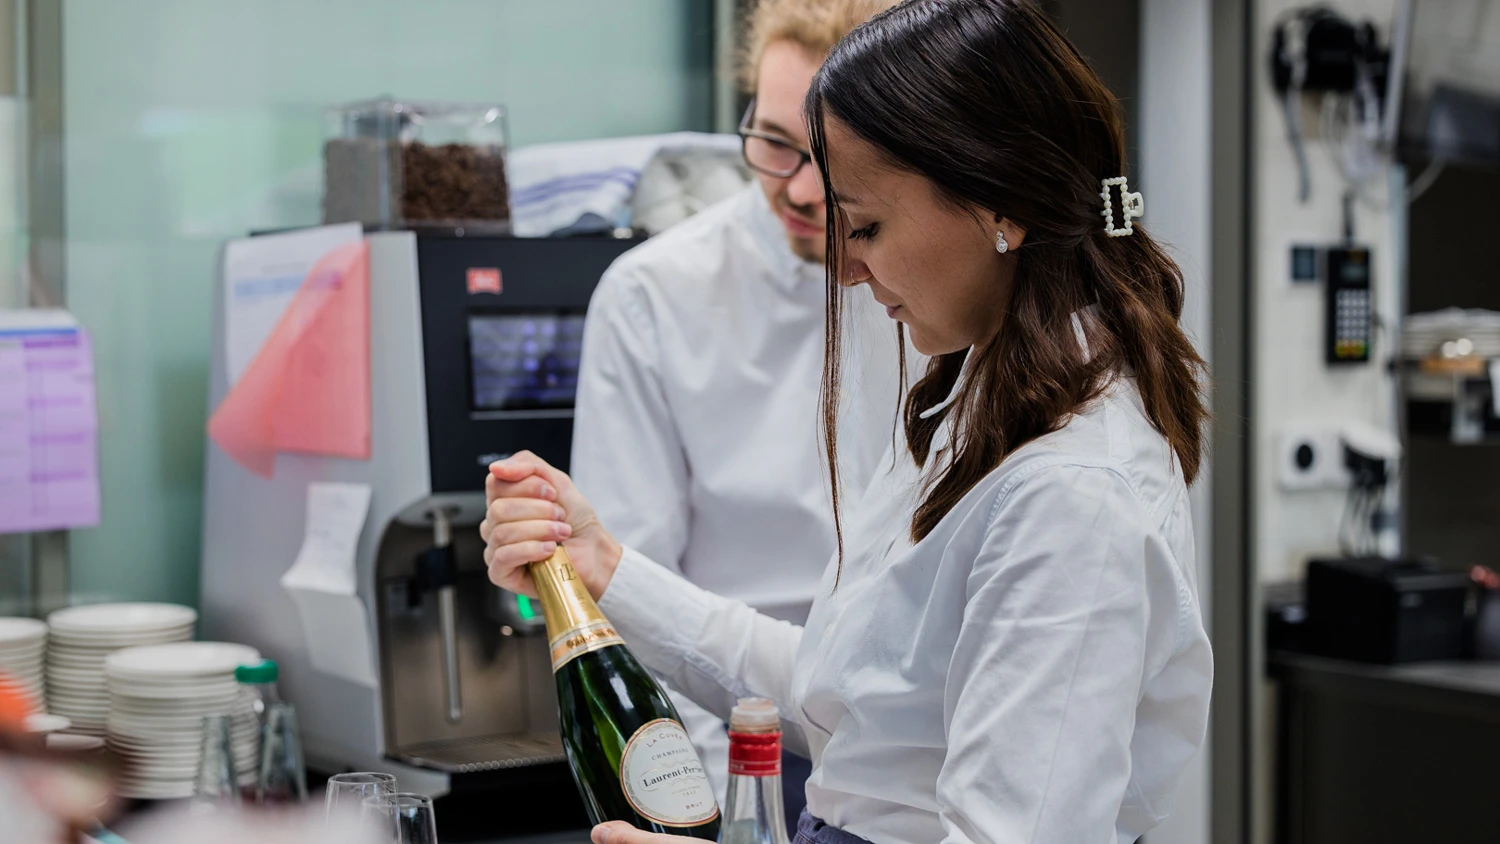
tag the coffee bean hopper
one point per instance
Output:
(393, 164)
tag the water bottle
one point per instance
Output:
(216, 781)
(260, 680)
(281, 777)
(753, 813)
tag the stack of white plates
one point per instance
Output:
(1472, 332)
(158, 696)
(23, 647)
(81, 639)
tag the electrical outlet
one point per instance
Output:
(1310, 457)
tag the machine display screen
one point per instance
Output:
(524, 361)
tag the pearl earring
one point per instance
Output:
(1001, 245)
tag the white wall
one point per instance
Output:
(1292, 385)
(1176, 159)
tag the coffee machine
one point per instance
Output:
(474, 355)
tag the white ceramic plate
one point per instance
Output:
(159, 696)
(30, 665)
(122, 618)
(185, 742)
(144, 728)
(180, 659)
(177, 702)
(76, 675)
(109, 641)
(72, 664)
(220, 680)
(154, 791)
(75, 701)
(187, 753)
(73, 742)
(162, 721)
(94, 721)
(17, 631)
(185, 738)
(77, 688)
(79, 714)
(68, 696)
(47, 723)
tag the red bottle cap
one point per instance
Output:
(755, 754)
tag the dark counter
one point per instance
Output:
(1375, 753)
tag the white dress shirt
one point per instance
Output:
(697, 432)
(1034, 670)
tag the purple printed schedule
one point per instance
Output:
(49, 466)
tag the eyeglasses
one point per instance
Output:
(770, 154)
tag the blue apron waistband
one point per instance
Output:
(811, 830)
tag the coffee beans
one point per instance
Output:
(391, 183)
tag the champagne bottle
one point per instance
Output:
(631, 758)
(753, 811)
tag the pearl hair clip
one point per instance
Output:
(1132, 205)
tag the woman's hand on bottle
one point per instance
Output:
(619, 832)
(531, 506)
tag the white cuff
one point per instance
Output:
(658, 612)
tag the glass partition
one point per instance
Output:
(186, 122)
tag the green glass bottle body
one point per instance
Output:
(630, 756)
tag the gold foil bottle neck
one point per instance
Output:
(575, 626)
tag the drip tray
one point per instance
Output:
(487, 753)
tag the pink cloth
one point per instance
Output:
(308, 390)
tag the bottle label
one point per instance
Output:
(663, 779)
(754, 754)
(584, 638)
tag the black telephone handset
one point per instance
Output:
(1349, 316)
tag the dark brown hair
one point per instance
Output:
(988, 101)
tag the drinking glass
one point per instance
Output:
(216, 781)
(402, 818)
(347, 792)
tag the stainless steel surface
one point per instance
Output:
(442, 527)
(463, 509)
(507, 685)
(442, 537)
(487, 753)
(452, 695)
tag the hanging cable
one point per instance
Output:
(1425, 180)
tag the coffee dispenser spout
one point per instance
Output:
(437, 571)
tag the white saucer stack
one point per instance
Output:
(23, 649)
(81, 639)
(158, 696)
(1472, 331)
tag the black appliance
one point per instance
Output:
(1386, 611)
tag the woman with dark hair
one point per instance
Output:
(1009, 647)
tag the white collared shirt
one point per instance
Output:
(1034, 670)
(697, 432)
